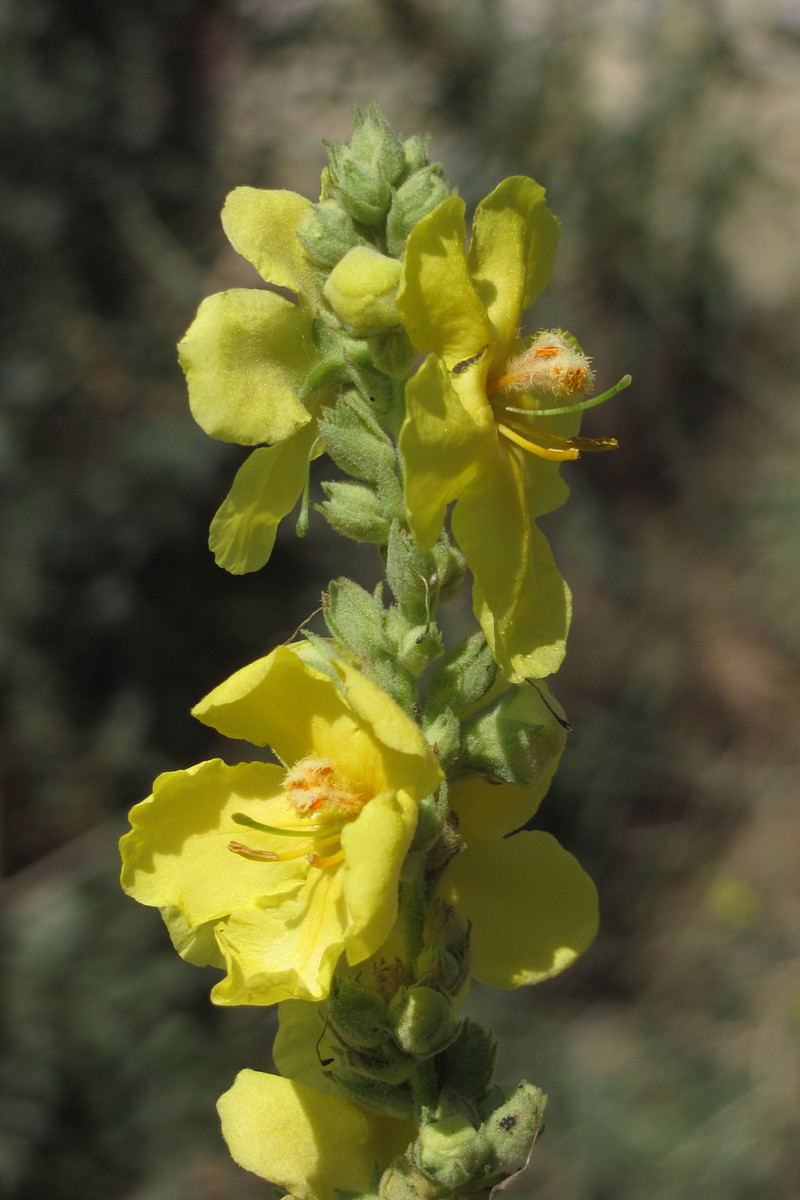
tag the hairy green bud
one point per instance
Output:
(355, 440)
(412, 201)
(422, 1020)
(402, 1181)
(511, 1120)
(467, 1065)
(462, 678)
(326, 234)
(354, 510)
(356, 1014)
(363, 169)
(517, 739)
(451, 1150)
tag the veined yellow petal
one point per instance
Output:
(437, 302)
(532, 907)
(312, 1144)
(511, 256)
(262, 225)
(265, 489)
(246, 357)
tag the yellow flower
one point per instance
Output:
(248, 359)
(315, 1145)
(274, 871)
(531, 907)
(461, 439)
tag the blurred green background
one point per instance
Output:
(666, 133)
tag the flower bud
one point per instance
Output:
(354, 510)
(467, 1065)
(411, 573)
(511, 1120)
(362, 290)
(355, 440)
(412, 201)
(326, 233)
(444, 735)
(462, 678)
(356, 1015)
(363, 169)
(517, 739)
(419, 647)
(451, 1150)
(402, 1181)
(423, 1022)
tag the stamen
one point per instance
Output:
(317, 860)
(249, 852)
(551, 454)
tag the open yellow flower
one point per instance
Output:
(248, 356)
(274, 871)
(461, 439)
(315, 1145)
(531, 907)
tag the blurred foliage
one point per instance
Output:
(665, 132)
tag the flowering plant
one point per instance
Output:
(386, 858)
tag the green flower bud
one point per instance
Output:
(511, 1120)
(402, 1181)
(431, 819)
(517, 739)
(436, 964)
(412, 201)
(462, 678)
(357, 1015)
(362, 291)
(467, 1065)
(450, 567)
(422, 1018)
(363, 169)
(354, 617)
(355, 440)
(354, 510)
(447, 936)
(444, 735)
(391, 1099)
(419, 647)
(393, 353)
(451, 1150)
(415, 150)
(327, 233)
(411, 573)
(384, 1063)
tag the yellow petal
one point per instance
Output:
(312, 1144)
(488, 811)
(177, 851)
(282, 701)
(532, 907)
(437, 302)
(266, 488)
(374, 847)
(519, 596)
(262, 225)
(246, 357)
(514, 238)
(443, 444)
(284, 945)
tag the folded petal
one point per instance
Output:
(176, 854)
(265, 489)
(262, 225)
(488, 811)
(284, 945)
(511, 256)
(443, 442)
(519, 596)
(315, 1146)
(437, 302)
(532, 907)
(299, 711)
(374, 847)
(246, 357)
